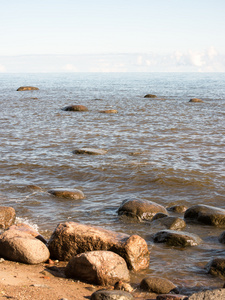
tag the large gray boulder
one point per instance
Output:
(140, 209)
(7, 216)
(217, 294)
(206, 214)
(176, 238)
(111, 295)
(22, 247)
(157, 285)
(70, 239)
(98, 267)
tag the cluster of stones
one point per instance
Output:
(103, 257)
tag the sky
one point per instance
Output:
(112, 36)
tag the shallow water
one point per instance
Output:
(165, 150)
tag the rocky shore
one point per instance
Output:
(101, 259)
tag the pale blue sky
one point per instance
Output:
(131, 35)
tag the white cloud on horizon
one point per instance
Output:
(190, 61)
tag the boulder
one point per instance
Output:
(67, 193)
(111, 295)
(176, 238)
(196, 100)
(98, 267)
(216, 267)
(123, 286)
(109, 111)
(150, 96)
(217, 294)
(172, 223)
(90, 151)
(140, 209)
(7, 216)
(28, 229)
(222, 238)
(75, 108)
(70, 239)
(22, 247)
(157, 285)
(27, 88)
(205, 214)
(179, 208)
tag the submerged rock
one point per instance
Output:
(140, 209)
(205, 214)
(150, 96)
(27, 88)
(75, 108)
(67, 193)
(90, 151)
(7, 216)
(109, 111)
(176, 238)
(216, 267)
(111, 295)
(157, 285)
(70, 239)
(98, 267)
(22, 247)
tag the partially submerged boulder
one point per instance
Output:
(205, 214)
(109, 111)
(157, 285)
(27, 88)
(216, 267)
(90, 151)
(140, 209)
(176, 238)
(7, 216)
(178, 208)
(22, 247)
(196, 100)
(98, 267)
(150, 96)
(70, 239)
(172, 223)
(75, 108)
(67, 193)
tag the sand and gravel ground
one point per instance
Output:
(45, 282)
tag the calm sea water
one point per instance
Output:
(179, 156)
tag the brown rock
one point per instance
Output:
(157, 285)
(123, 286)
(22, 247)
(28, 229)
(216, 267)
(27, 88)
(90, 151)
(70, 239)
(7, 216)
(216, 294)
(178, 208)
(140, 209)
(196, 100)
(171, 297)
(150, 96)
(98, 267)
(111, 295)
(67, 193)
(206, 214)
(172, 223)
(75, 108)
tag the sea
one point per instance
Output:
(166, 150)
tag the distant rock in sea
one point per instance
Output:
(27, 88)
